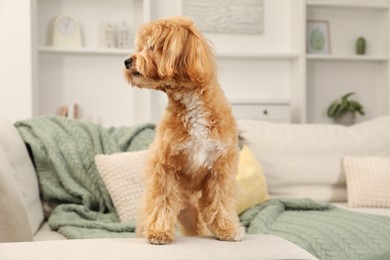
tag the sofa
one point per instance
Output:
(328, 172)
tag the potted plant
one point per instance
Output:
(343, 111)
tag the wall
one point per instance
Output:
(16, 60)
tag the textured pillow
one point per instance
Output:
(368, 181)
(251, 183)
(121, 175)
(14, 224)
(303, 160)
(23, 171)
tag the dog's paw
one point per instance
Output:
(160, 238)
(236, 236)
(239, 234)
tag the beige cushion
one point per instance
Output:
(121, 174)
(303, 160)
(23, 171)
(368, 181)
(251, 183)
(14, 224)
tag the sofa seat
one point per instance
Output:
(252, 247)
(373, 211)
(45, 233)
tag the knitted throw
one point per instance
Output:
(324, 230)
(63, 151)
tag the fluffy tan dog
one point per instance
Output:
(193, 159)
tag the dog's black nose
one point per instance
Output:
(128, 62)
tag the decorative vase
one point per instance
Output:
(361, 46)
(124, 36)
(346, 119)
(109, 36)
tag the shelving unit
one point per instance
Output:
(91, 76)
(330, 76)
(271, 70)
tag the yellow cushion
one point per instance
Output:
(251, 184)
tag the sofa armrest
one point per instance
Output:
(252, 247)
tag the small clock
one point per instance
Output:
(66, 32)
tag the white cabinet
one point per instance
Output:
(268, 110)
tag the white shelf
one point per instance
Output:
(347, 5)
(81, 51)
(257, 55)
(107, 51)
(346, 58)
(259, 101)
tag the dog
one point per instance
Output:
(190, 172)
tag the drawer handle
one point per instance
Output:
(265, 112)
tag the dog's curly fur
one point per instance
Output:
(193, 159)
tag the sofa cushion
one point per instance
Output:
(368, 181)
(23, 172)
(14, 224)
(121, 175)
(251, 184)
(189, 248)
(304, 160)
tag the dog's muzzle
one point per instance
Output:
(128, 62)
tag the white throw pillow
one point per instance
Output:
(303, 160)
(121, 175)
(23, 170)
(368, 181)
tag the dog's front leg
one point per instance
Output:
(218, 201)
(161, 205)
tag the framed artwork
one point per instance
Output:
(226, 16)
(318, 37)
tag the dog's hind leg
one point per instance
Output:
(191, 221)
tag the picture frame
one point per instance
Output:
(318, 37)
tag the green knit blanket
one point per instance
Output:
(63, 152)
(324, 230)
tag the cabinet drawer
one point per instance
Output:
(269, 112)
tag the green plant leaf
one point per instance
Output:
(346, 96)
(344, 105)
(333, 108)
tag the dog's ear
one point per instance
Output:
(186, 54)
(171, 50)
(198, 58)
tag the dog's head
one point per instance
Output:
(170, 52)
